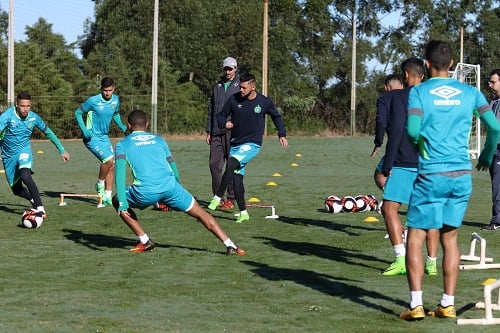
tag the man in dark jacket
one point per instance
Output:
(218, 138)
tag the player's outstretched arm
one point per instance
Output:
(53, 138)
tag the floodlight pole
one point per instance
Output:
(10, 65)
(264, 56)
(353, 73)
(154, 80)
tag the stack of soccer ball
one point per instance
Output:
(350, 204)
(32, 219)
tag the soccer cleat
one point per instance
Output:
(226, 204)
(431, 267)
(44, 215)
(492, 226)
(214, 203)
(100, 190)
(443, 312)
(235, 251)
(398, 267)
(417, 313)
(242, 218)
(139, 247)
(107, 201)
(162, 207)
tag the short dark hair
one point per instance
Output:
(439, 54)
(107, 82)
(247, 77)
(23, 95)
(495, 71)
(414, 66)
(137, 118)
(392, 78)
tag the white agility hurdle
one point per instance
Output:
(273, 210)
(482, 257)
(487, 306)
(81, 195)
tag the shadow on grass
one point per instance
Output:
(331, 225)
(466, 307)
(478, 225)
(13, 209)
(100, 242)
(327, 284)
(322, 251)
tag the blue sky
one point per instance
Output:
(66, 16)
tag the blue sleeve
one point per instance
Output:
(118, 121)
(79, 119)
(413, 128)
(53, 138)
(120, 180)
(492, 136)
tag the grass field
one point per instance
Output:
(308, 271)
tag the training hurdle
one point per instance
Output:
(273, 210)
(482, 257)
(81, 195)
(487, 306)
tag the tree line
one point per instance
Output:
(309, 56)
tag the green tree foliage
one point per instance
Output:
(310, 44)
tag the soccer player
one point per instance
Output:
(244, 114)
(155, 180)
(17, 125)
(399, 166)
(392, 82)
(99, 111)
(219, 138)
(440, 113)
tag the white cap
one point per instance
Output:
(229, 62)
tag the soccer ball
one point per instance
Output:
(333, 204)
(362, 203)
(32, 219)
(372, 202)
(349, 204)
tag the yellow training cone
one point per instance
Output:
(40, 152)
(271, 184)
(294, 164)
(298, 155)
(276, 174)
(253, 200)
(488, 281)
(2, 171)
(370, 219)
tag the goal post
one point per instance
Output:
(471, 74)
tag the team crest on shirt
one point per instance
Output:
(257, 109)
(446, 93)
(144, 139)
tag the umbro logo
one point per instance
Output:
(144, 137)
(445, 93)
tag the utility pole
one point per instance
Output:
(154, 80)
(353, 73)
(10, 61)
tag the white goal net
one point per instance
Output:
(471, 74)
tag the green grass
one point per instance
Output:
(308, 271)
